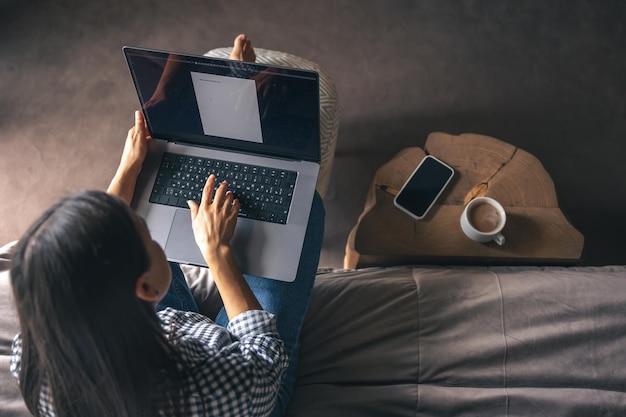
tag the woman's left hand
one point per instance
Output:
(135, 151)
(136, 146)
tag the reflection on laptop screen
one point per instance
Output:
(231, 104)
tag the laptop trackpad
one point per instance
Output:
(181, 245)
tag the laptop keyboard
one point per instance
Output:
(264, 193)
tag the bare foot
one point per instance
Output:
(242, 49)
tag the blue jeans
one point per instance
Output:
(288, 301)
(179, 295)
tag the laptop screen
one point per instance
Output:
(228, 104)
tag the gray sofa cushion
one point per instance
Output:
(359, 346)
(522, 341)
(465, 342)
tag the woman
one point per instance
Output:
(87, 280)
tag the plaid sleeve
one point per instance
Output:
(15, 361)
(233, 371)
(15, 364)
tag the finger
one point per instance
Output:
(228, 201)
(140, 124)
(207, 192)
(220, 193)
(234, 212)
(145, 127)
(193, 208)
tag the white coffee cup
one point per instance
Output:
(483, 219)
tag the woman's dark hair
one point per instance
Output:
(85, 333)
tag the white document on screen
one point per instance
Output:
(228, 106)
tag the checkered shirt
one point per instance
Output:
(227, 372)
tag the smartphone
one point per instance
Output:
(423, 187)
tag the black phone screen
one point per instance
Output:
(422, 189)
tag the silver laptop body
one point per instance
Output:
(242, 113)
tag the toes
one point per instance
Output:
(248, 54)
(242, 49)
(239, 47)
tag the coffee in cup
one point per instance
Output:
(483, 219)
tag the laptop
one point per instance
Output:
(255, 126)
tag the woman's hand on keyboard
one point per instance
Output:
(213, 224)
(215, 218)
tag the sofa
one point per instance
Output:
(439, 341)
